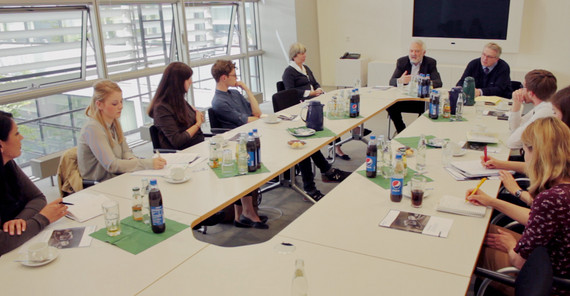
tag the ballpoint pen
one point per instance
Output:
(485, 151)
(476, 188)
(66, 203)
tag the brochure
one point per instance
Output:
(419, 223)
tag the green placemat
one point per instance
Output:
(441, 119)
(341, 117)
(385, 183)
(136, 236)
(218, 171)
(325, 133)
(413, 141)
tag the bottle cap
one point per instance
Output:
(152, 182)
(250, 133)
(372, 137)
(254, 130)
(398, 155)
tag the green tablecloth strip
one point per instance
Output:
(218, 171)
(341, 117)
(325, 133)
(136, 236)
(385, 183)
(412, 142)
(441, 119)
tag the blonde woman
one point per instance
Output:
(102, 152)
(547, 158)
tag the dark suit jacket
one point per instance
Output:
(171, 133)
(299, 81)
(428, 66)
(496, 83)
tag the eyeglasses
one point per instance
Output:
(234, 75)
(488, 56)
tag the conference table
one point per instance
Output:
(344, 249)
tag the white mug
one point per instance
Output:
(38, 251)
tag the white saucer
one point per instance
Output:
(460, 153)
(272, 122)
(408, 194)
(303, 132)
(52, 255)
(172, 181)
(435, 142)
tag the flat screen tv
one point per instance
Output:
(464, 24)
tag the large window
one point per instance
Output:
(50, 56)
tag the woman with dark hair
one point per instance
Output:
(561, 105)
(178, 123)
(23, 209)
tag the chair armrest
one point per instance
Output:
(162, 150)
(89, 183)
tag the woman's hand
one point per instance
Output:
(479, 198)
(54, 210)
(16, 226)
(509, 182)
(199, 118)
(491, 163)
(158, 163)
(502, 241)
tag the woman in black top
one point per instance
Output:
(23, 209)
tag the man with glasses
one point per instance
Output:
(491, 74)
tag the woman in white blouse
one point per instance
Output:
(102, 152)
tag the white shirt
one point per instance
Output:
(415, 68)
(518, 123)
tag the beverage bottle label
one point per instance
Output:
(354, 108)
(396, 186)
(370, 163)
(251, 158)
(157, 216)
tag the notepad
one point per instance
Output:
(458, 205)
(489, 99)
(474, 169)
(85, 205)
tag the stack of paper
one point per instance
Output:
(85, 205)
(494, 100)
(472, 169)
(457, 205)
(482, 137)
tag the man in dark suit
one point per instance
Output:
(492, 75)
(414, 64)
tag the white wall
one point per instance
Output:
(374, 29)
(308, 33)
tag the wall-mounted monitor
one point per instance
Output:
(464, 24)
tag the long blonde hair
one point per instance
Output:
(548, 141)
(101, 90)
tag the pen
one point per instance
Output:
(158, 153)
(66, 203)
(485, 151)
(476, 188)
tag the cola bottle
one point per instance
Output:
(397, 181)
(434, 104)
(355, 103)
(156, 210)
(371, 156)
(258, 148)
(251, 152)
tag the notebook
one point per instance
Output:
(85, 205)
(473, 169)
(458, 205)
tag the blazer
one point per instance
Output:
(496, 83)
(299, 81)
(428, 66)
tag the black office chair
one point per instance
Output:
(153, 130)
(516, 85)
(215, 124)
(534, 279)
(285, 99)
(280, 86)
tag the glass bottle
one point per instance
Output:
(299, 286)
(137, 204)
(421, 155)
(144, 196)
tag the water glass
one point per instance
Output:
(479, 108)
(446, 153)
(112, 218)
(227, 163)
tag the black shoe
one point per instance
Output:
(367, 132)
(212, 220)
(315, 195)
(263, 219)
(246, 221)
(345, 156)
(335, 176)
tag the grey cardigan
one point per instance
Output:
(100, 160)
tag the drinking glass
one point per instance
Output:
(112, 218)
(417, 187)
(479, 108)
(227, 163)
(446, 153)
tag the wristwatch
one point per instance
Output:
(519, 193)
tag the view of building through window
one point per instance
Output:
(51, 55)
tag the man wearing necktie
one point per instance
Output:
(491, 74)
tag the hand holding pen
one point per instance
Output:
(158, 162)
(467, 198)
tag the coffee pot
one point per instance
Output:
(314, 117)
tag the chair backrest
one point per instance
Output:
(214, 122)
(68, 177)
(153, 130)
(516, 85)
(280, 86)
(285, 99)
(535, 277)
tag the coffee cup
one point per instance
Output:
(177, 173)
(271, 117)
(38, 251)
